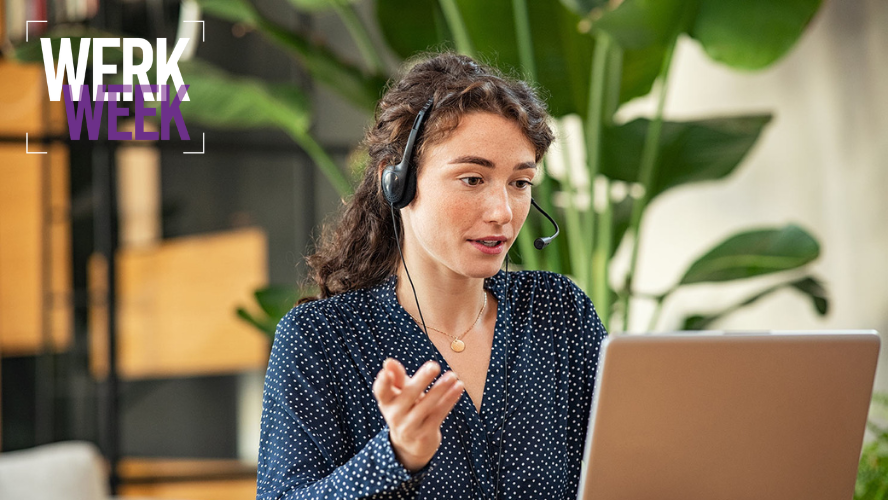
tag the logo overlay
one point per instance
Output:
(83, 104)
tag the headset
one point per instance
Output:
(399, 188)
(399, 181)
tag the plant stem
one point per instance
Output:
(600, 260)
(525, 52)
(457, 27)
(525, 41)
(359, 34)
(334, 174)
(325, 66)
(553, 259)
(604, 239)
(646, 175)
(576, 242)
(655, 318)
(596, 272)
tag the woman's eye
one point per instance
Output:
(522, 184)
(471, 181)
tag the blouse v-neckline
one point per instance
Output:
(491, 399)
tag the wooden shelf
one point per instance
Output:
(35, 247)
(176, 306)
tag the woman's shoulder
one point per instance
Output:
(324, 314)
(546, 290)
(526, 281)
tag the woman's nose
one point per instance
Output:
(499, 207)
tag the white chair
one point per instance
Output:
(71, 470)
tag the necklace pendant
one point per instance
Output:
(458, 345)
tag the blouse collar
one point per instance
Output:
(385, 291)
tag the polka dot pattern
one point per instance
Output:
(324, 437)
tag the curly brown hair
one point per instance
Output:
(360, 250)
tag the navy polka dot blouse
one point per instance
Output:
(324, 437)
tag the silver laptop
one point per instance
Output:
(729, 416)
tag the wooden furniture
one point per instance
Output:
(188, 479)
(176, 303)
(35, 236)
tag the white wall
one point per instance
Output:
(822, 162)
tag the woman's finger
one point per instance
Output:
(430, 399)
(396, 369)
(383, 388)
(413, 387)
(445, 403)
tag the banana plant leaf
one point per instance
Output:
(754, 253)
(562, 54)
(640, 70)
(320, 5)
(221, 100)
(274, 302)
(583, 7)
(694, 151)
(744, 35)
(343, 77)
(808, 286)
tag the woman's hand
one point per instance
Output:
(414, 416)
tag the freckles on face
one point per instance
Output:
(473, 195)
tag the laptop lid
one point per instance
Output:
(729, 416)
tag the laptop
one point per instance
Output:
(729, 416)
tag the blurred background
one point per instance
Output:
(717, 167)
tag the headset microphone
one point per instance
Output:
(542, 242)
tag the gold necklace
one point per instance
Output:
(456, 344)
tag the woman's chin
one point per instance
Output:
(485, 270)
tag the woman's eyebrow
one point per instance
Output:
(484, 162)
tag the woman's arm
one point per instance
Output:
(302, 436)
(293, 464)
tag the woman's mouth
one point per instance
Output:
(489, 246)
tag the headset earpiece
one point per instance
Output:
(399, 181)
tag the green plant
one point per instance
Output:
(590, 58)
(872, 476)
(274, 303)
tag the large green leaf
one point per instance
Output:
(810, 286)
(562, 54)
(221, 100)
(640, 70)
(424, 31)
(754, 253)
(693, 151)
(275, 302)
(748, 35)
(320, 5)
(236, 11)
(583, 7)
(751, 34)
(343, 77)
(639, 24)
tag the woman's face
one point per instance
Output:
(472, 197)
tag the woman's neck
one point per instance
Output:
(449, 302)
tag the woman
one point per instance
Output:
(346, 411)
